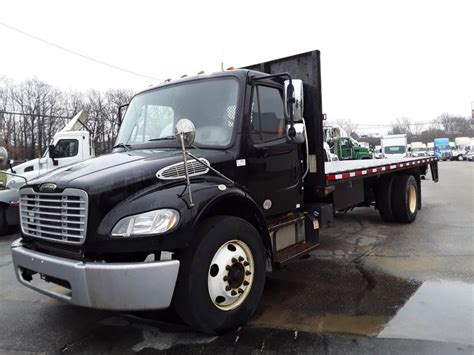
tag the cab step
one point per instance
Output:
(294, 251)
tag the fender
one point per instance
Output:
(9, 195)
(235, 201)
(209, 197)
(9, 198)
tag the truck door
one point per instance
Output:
(275, 168)
(68, 151)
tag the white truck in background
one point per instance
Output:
(462, 145)
(430, 148)
(394, 146)
(71, 145)
(418, 149)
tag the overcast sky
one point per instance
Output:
(380, 59)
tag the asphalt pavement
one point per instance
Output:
(371, 287)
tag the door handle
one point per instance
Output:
(263, 152)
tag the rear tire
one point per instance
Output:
(405, 198)
(383, 199)
(221, 276)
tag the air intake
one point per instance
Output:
(176, 171)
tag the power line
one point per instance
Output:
(31, 114)
(77, 53)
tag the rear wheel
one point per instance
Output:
(383, 198)
(405, 198)
(221, 276)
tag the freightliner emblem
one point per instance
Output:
(48, 187)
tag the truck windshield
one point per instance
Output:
(418, 149)
(209, 104)
(444, 147)
(395, 149)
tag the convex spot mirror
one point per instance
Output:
(3, 158)
(300, 135)
(298, 105)
(185, 128)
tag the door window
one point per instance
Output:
(66, 148)
(267, 118)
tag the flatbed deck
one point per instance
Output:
(343, 170)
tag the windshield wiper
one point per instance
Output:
(127, 147)
(168, 138)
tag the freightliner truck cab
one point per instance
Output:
(212, 183)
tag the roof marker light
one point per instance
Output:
(230, 68)
(201, 72)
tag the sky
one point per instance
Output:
(381, 60)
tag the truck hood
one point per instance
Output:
(122, 169)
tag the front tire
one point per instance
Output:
(3, 220)
(405, 198)
(221, 276)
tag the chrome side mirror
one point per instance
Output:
(185, 129)
(300, 135)
(3, 158)
(298, 104)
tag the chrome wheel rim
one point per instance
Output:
(230, 275)
(412, 198)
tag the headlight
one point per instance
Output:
(148, 223)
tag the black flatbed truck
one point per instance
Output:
(196, 222)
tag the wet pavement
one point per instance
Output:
(371, 287)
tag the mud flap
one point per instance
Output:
(434, 171)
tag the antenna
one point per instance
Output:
(222, 60)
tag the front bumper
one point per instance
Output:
(114, 286)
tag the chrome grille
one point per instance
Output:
(61, 217)
(176, 171)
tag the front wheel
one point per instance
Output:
(221, 276)
(3, 220)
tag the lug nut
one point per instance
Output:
(240, 258)
(234, 260)
(246, 263)
(225, 278)
(246, 283)
(248, 273)
(241, 291)
(233, 293)
(227, 288)
(227, 267)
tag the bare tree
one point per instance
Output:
(348, 125)
(401, 126)
(452, 123)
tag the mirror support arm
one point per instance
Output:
(210, 167)
(15, 175)
(186, 172)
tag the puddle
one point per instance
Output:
(347, 298)
(441, 311)
(332, 297)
